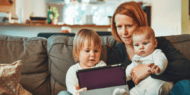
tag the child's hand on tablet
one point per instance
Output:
(79, 90)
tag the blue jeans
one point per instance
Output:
(181, 88)
(64, 93)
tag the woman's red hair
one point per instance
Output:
(131, 9)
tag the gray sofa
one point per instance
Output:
(46, 61)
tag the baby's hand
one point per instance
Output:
(79, 90)
(154, 68)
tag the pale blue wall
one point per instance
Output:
(26, 31)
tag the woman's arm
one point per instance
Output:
(140, 72)
(119, 55)
(178, 65)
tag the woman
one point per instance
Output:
(128, 17)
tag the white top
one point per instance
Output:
(157, 57)
(71, 76)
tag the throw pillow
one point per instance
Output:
(10, 79)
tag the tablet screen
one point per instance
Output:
(102, 77)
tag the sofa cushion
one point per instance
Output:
(60, 59)
(181, 43)
(32, 52)
(60, 48)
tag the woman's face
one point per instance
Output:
(125, 26)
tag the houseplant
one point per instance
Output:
(55, 15)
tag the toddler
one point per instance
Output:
(144, 43)
(86, 52)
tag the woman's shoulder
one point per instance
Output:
(163, 42)
(161, 38)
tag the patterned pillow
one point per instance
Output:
(10, 79)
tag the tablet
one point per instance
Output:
(102, 77)
(104, 91)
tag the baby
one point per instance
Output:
(86, 52)
(144, 43)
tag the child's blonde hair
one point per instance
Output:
(145, 30)
(80, 37)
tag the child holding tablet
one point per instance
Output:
(86, 52)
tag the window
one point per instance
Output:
(88, 13)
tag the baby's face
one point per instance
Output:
(89, 54)
(143, 45)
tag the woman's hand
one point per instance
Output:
(79, 90)
(140, 72)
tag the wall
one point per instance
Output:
(32, 31)
(185, 16)
(26, 7)
(166, 17)
(26, 31)
(170, 17)
(39, 7)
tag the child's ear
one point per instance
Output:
(155, 43)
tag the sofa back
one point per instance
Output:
(181, 43)
(33, 55)
(60, 50)
(60, 47)
(45, 61)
